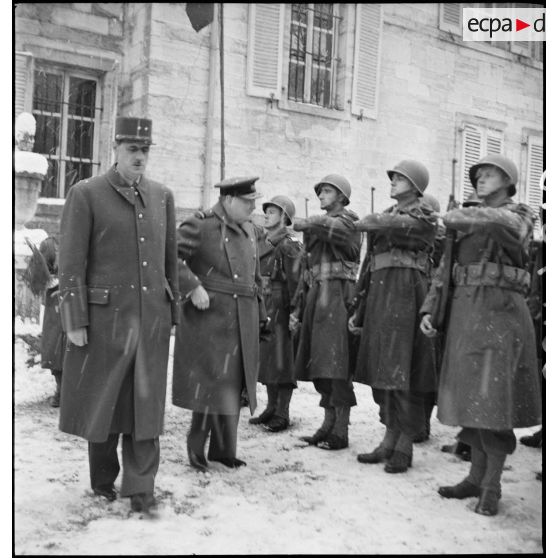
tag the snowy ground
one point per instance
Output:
(290, 499)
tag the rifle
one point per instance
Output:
(440, 311)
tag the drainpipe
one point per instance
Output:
(211, 88)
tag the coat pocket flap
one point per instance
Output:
(97, 295)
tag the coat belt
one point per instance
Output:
(490, 274)
(335, 270)
(401, 258)
(230, 287)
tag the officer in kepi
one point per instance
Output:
(118, 293)
(216, 352)
(489, 381)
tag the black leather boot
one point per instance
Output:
(462, 490)
(338, 438)
(324, 430)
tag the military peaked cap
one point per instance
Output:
(242, 187)
(129, 128)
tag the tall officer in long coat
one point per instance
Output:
(279, 253)
(489, 381)
(216, 351)
(118, 289)
(332, 247)
(394, 358)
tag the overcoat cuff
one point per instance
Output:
(74, 311)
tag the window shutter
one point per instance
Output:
(450, 17)
(535, 170)
(265, 49)
(367, 60)
(23, 84)
(493, 143)
(472, 150)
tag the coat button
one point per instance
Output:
(140, 215)
(235, 296)
(235, 276)
(144, 288)
(144, 264)
(142, 239)
(226, 239)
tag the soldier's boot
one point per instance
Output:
(280, 420)
(402, 457)
(338, 438)
(54, 400)
(491, 489)
(324, 430)
(195, 441)
(470, 486)
(533, 441)
(383, 452)
(269, 411)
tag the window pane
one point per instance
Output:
(321, 49)
(47, 94)
(321, 90)
(296, 82)
(80, 139)
(81, 101)
(323, 16)
(47, 134)
(49, 188)
(75, 172)
(298, 42)
(300, 13)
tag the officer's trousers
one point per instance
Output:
(140, 462)
(222, 430)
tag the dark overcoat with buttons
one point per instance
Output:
(118, 278)
(489, 377)
(217, 350)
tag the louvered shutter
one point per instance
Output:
(493, 143)
(23, 82)
(265, 49)
(534, 172)
(472, 150)
(450, 17)
(367, 60)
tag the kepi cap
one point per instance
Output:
(130, 128)
(243, 187)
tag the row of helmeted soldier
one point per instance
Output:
(435, 314)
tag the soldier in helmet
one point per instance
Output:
(394, 358)
(489, 381)
(279, 254)
(332, 247)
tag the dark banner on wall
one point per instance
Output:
(200, 15)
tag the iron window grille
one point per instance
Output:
(313, 53)
(68, 119)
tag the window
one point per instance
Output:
(67, 116)
(477, 143)
(535, 167)
(450, 17)
(312, 54)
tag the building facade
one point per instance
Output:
(309, 90)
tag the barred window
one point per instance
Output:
(313, 53)
(67, 116)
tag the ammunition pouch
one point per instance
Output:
(491, 274)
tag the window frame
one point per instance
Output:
(61, 156)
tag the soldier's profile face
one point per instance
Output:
(400, 185)
(329, 196)
(272, 216)
(239, 208)
(132, 159)
(490, 179)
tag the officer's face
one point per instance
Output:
(272, 216)
(490, 179)
(132, 159)
(239, 208)
(401, 186)
(329, 197)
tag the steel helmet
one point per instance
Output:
(499, 161)
(416, 172)
(337, 181)
(432, 202)
(472, 200)
(284, 203)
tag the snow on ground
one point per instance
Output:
(290, 499)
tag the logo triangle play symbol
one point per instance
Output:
(519, 24)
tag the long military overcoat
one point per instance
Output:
(280, 256)
(489, 377)
(53, 339)
(393, 353)
(118, 278)
(325, 348)
(217, 350)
